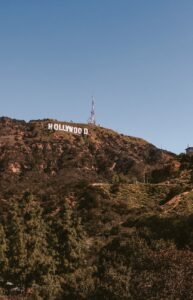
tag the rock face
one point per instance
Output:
(31, 152)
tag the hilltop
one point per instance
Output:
(29, 151)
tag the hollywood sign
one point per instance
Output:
(67, 128)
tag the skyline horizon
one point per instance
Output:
(134, 57)
(99, 125)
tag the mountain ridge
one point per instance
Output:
(103, 151)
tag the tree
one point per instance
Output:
(17, 253)
(30, 260)
(69, 240)
(3, 258)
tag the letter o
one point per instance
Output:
(79, 130)
(56, 126)
(75, 129)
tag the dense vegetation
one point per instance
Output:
(76, 226)
(97, 243)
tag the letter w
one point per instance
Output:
(69, 128)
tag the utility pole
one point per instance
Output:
(92, 119)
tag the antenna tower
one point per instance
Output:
(92, 119)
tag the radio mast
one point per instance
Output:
(92, 119)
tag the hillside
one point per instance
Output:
(29, 151)
(97, 216)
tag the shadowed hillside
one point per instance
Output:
(97, 216)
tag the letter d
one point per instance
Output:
(85, 130)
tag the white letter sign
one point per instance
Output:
(67, 128)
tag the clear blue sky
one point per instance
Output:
(134, 56)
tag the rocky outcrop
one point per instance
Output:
(31, 152)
